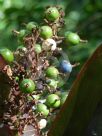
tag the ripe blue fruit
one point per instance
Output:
(65, 66)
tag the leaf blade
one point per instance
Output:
(82, 99)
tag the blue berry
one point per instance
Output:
(65, 66)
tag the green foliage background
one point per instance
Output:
(82, 16)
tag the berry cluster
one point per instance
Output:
(35, 74)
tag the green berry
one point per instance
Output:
(52, 83)
(27, 86)
(31, 25)
(7, 55)
(22, 33)
(37, 48)
(42, 108)
(52, 14)
(46, 32)
(52, 72)
(53, 101)
(72, 38)
(63, 97)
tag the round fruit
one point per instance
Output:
(7, 55)
(65, 66)
(31, 25)
(27, 86)
(52, 14)
(52, 72)
(22, 33)
(46, 32)
(53, 101)
(52, 83)
(37, 48)
(71, 37)
(42, 108)
(63, 97)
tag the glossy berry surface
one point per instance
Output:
(72, 38)
(65, 66)
(52, 72)
(52, 83)
(37, 48)
(42, 108)
(7, 55)
(46, 32)
(31, 25)
(53, 101)
(27, 86)
(22, 33)
(52, 14)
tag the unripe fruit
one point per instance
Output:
(27, 86)
(53, 101)
(52, 83)
(22, 33)
(65, 66)
(42, 108)
(31, 25)
(71, 37)
(52, 14)
(52, 72)
(46, 32)
(7, 55)
(37, 48)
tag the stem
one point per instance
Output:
(15, 32)
(83, 41)
(76, 64)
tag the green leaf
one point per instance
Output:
(85, 95)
